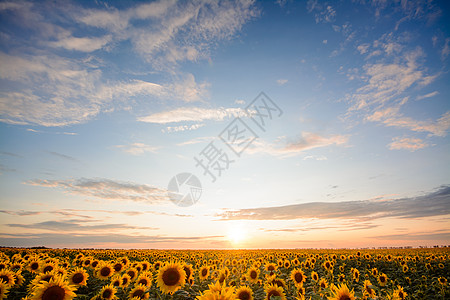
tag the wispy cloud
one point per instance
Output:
(138, 148)
(107, 189)
(50, 87)
(76, 225)
(387, 87)
(322, 11)
(307, 141)
(406, 143)
(193, 114)
(433, 204)
(63, 156)
(442, 235)
(429, 95)
(282, 81)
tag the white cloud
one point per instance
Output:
(429, 95)
(195, 114)
(137, 148)
(107, 189)
(405, 143)
(387, 81)
(307, 142)
(49, 89)
(363, 48)
(446, 50)
(282, 81)
(183, 127)
(83, 44)
(322, 12)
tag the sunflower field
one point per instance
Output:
(64, 274)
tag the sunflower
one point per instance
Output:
(116, 280)
(132, 272)
(125, 280)
(328, 265)
(368, 291)
(55, 289)
(442, 281)
(278, 282)
(108, 292)
(323, 284)
(145, 279)
(400, 293)
(271, 268)
(7, 276)
(104, 270)
(78, 277)
(4, 289)
(252, 275)
(118, 267)
(342, 293)
(218, 293)
(286, 264)
(48, 267)
(203, 272)
(382, 279)
(275, 291)
(298, 277)
(139, 291)
(171, 277)
(355, 273)
(375, 272)
(314, 276)
(244, 293)
(18, 278)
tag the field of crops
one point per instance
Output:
(55, 274)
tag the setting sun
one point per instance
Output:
(236, 234)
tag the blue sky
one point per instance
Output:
(102, 103)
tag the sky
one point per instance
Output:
(224, 124)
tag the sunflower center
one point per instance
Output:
(4, 278)
(124, 280)
(54, 293)
(105, 271)
(77, 278)
(118, 267)
(34, 266)
(253, 274)
(171, 277)
(204, 272)
(131, 273)
(273, 293)
(244, 295)
(138, 293)
(143, 281)
(298, 277)
(106, 294)
(270, 268)
(116, 283)
(344, 297)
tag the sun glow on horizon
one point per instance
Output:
(236, 234)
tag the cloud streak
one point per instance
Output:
(433, 204)
(307, 141)
(107, 189)
(193, 114)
